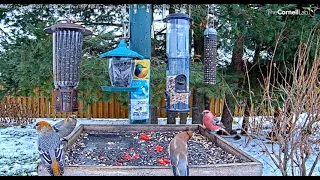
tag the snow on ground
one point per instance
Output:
(19, 156)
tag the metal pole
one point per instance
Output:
(140, 42)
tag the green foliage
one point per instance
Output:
(157, 83)
(27, 65)
(26, 62)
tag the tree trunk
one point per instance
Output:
(206, 102)
(198, 46)
(183, 118)
(199, 103)
(245, 122)
(154, 115)
(237, 54)
(171, 117)
(227, 113)
(237, 65)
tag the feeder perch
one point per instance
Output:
(210, 55)
(121, 68)
(177, 49)
(67, 45)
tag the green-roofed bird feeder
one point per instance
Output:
(121, 68)
(67, 46)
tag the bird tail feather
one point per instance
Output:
(55, 168)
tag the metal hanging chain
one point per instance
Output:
(69, 13)
(208, 11)
(135, 8)
(125, 23)
(209, 23)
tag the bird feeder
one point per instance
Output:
(177, 49)
(120, 67)
(210, 55)
(67, 45)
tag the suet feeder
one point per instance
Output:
(177, 49)
(67, 46)
(120, 67)
(210, 55)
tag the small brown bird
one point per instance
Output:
(178, 153)
(65, 127)
(50, 149)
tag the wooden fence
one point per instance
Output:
(41, 107)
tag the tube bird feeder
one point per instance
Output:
(67, 46)
(210, 55)
(177, 49)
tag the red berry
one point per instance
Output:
(136, 156)
(167, 161)
(160, 161)
(119, 164)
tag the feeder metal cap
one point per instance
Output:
(210, 31)
(67, 25)
(177, 16)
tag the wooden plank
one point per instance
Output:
(80, 107)
(100, 109)
(105, 109)
(37, 103)
(111, 106)
(139, 128)
(94, 110)
(127, 112)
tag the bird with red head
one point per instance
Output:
(212, 123)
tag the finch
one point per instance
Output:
(50, 149)
(65, 127)
(212, 123)
(178, 153)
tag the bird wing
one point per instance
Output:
(57, 127)
(47, 161)
(59, 153)
(215, 121)
(179, 167)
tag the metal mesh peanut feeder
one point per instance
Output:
(210, 55)
(67, 46)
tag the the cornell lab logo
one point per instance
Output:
(309, 11)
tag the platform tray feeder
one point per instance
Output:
(91, 149)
